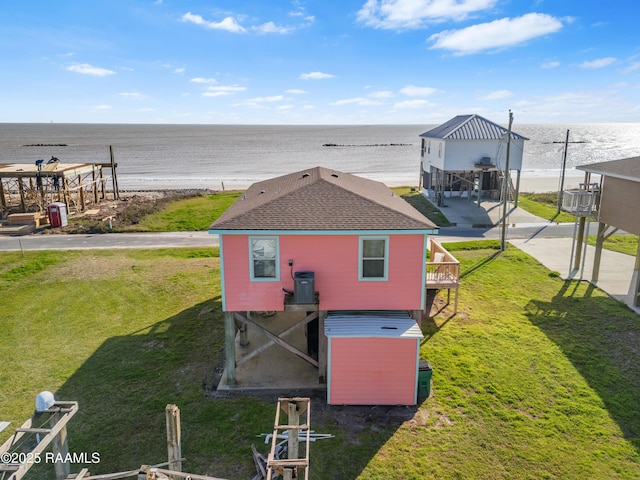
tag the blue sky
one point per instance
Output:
(319, 61)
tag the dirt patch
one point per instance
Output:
(125, 212)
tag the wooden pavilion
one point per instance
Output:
(31, 187)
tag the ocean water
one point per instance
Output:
(210, 156)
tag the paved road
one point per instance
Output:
(204, 239)
(108, 240)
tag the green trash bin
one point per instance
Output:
(424, 379)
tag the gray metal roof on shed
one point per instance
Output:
(321, 199)
(370, 326)
(626, 168)
(470, 127)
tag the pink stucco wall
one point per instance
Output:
(373, 371)
(334, 261)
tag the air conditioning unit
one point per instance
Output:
(304, 287)
(485, 161)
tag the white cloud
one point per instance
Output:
(497, 95)
(272, 98)
(259, 101)
(102, 107)
(131, 95)
(407, 14)
(271, 27)
(86, 69)
(413, 91)
(381, 94)
(415, 103)
(598, 63)
(552, 64)
(502, 33)
(632, 67)
(588, 106)
(362, 101)
(179, 70)
(222, 90)
(295, 91)
(203, 80)
(315, 76)
(285, 107)
(228, 24)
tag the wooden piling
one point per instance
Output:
(174, 447)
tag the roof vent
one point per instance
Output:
(334, 175)
(262, 191)
(304, 175)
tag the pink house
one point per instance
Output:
(329, 244)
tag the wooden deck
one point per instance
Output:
(443, 271)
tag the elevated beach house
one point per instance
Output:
(609, 196)
(468, 155)
(339, 256)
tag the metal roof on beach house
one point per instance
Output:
(470, 127)
(321, 199)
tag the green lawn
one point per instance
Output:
(192, 214)
(619, 243)
(534, 378)
(544, 205)
(424, 206)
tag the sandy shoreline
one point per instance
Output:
(528, 184)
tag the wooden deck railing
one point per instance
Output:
(443, 270)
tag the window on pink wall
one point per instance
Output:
(263, 256)
(373, 258)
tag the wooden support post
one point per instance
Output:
(21, 190)
(602, 227)
(230, 347)
(114, 177)
(579, 240)
(244, 332)
(3, 200)
(102, 184)
(293, 433)
(292, 466)
(174, 446)
(81, 193)
(94, 184)
(515, 203)
(66, 194)
(60, 448)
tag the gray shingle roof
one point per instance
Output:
(470, 127)
(321, 199)
(626, 168)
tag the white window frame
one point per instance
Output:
(361, 258)
(252, 259)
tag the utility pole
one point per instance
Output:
(505, 190)
(564, 166)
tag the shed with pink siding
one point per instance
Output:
(373, 360)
